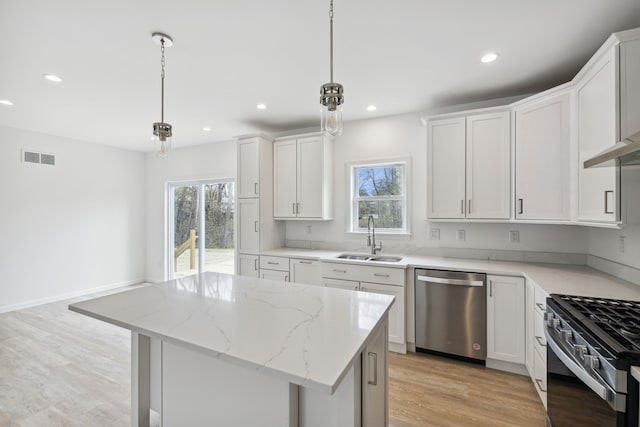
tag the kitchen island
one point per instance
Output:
(217, 349)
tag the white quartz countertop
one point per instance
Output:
(553, 278)
(307, 335)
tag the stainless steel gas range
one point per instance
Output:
(591, 345)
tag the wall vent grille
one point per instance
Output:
(40, 158)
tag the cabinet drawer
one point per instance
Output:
(341, 284)
(364, 273)
(540, 299)
(540, 377)
(540, 340)
(274, 263)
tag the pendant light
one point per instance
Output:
(162, 131)
(331, 93)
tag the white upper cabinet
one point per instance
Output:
(248, 169)
(542, 158)
(468, 162)
(302, 177)
(446, 179)
(598, 129)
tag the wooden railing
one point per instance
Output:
(190, 244)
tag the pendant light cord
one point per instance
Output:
(331, 39)
(162, 81)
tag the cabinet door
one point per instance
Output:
(305, 271)
(598, 112)
(375, 373)
(542, 149)
(488, 166)
(248, 169)
(282, 276)
(396, 312)
(310, 189)
(446, 168)
(505, 319)
(284, 179)
(248, 239)
(341, 284)
(248, 265)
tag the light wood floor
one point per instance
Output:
(59, 368)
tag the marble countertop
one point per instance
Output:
(553, 278)
(307, 335)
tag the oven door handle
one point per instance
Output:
(605, 392)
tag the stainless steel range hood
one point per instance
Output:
(627, 152)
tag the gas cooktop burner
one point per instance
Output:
(617, 320)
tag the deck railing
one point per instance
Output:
(190, 244)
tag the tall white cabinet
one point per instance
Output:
(506, 319)
(468, 166)
(255, 228)
(302, 177)
(542, 157)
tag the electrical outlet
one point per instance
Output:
(434, 234)
(308, 229)
(621, 243)
(514, 236)
(460, 236)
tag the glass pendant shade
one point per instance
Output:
(332, 121)
(162, 138)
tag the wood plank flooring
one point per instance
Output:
(59, 368)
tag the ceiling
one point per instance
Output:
(403, 56)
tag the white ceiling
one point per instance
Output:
(403, 56)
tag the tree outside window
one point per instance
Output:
(379, 190)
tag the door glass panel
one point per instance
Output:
(186, 208)
(219, 225)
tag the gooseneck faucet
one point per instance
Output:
(371, 236)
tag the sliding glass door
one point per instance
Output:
(201, 237)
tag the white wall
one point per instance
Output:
(69, 228)
(405, 136)
(210, 161)
(605, 243)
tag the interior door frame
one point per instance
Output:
(170, 241)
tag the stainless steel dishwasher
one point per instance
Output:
(451, 313)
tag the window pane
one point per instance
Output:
(386, 213)
(379, 181)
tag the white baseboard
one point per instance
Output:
(514, 368)
(68, 295)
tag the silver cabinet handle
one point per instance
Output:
(339, 271)
(539, 383)
(273, 263)
(380, 275)
(539, 339)
(457, 282)
(490, 288)
(255, 264)
(255, 226)
(297, 208)
(606, 201)
(469, 206)
(304, 262)
(293, 208)
(540, 306)
(355, 288)
(521, 210)
(462, 207)
(375, 368)
(255, 187)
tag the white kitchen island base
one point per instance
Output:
(216, 349)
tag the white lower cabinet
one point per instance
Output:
(536, 340)
(375, 413)
(248, 265)
(506, 319)
(274, 268)
(305, 271)
(381, 280)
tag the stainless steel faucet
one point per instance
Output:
(371, 236)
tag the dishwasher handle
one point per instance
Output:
(456, 282)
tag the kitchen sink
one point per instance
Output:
(359, 257)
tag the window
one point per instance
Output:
(379, 190)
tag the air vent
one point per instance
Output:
(41, 158)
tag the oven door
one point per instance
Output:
(575, 397)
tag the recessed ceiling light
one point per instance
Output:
(489, 57)
(206, 129)
(261, 106)
(5, 102)
(52, 78)
(371, 108)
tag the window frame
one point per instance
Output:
(354, 198)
